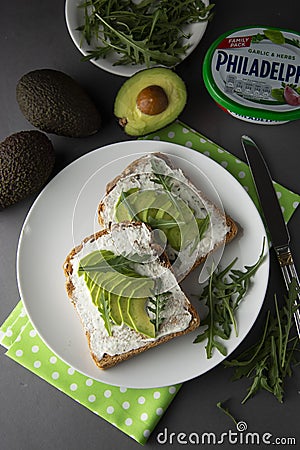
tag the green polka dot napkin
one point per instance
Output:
(134, 411)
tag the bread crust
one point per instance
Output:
(107, 360)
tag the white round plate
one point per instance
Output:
(65, 212)
(75, 18)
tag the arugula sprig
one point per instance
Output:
(102, 302)
(167, 183)
(226, 411)
(157, 305)
(103, 261)
(124, 200)
(202, 224)
(101, 269)
(150, 32)
(222, 295)
(270, 360)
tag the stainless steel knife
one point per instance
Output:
(273, 216)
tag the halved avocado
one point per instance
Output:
(150, 100)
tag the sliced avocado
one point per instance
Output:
(116, 288)
(120, 285)
(161, 206)
(111, 289)
(134, 202)
(170, 206)
(124, 209)
(143, 200)
(143, 215)
(164, 210)
(115, 312)
(121, 213)
(140, 319)
(157, 202)
(138, 288)
(150, 100)
(193, 230)
(123, 304)
(174, 237)
(126, 291)
(129, 296)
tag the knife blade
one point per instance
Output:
(273, 217)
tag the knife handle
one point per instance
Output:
(288, 268)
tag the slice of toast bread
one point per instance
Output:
(135, 241)
(140, 176)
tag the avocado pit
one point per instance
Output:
(149, 100)
(152, 100)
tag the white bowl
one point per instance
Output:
(75, 18)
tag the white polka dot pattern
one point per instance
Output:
(134, 411)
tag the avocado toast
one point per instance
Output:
(154, 191)
(125, 293)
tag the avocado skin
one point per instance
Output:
(54, 102)
(134, 121)
(26, 161)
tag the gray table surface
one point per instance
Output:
(34, 415)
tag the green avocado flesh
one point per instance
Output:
(120, 293)
(140, 318)
(135, 121)
(163, 211)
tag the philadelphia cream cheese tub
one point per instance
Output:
(254, 74)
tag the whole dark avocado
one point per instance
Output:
(26, 161)
(54, 102)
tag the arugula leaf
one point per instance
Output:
(189, 232)
(163, 224)
(162, 209)
(149, 32)
(137, 49)
(164, 180)
(213, 330)
(104, 309)
(167, 182)
(123, 199)
(157, 305)
(101, 300)
(270, 360)
(223, 294)
(203, 225)
(105, 274)
(105, 261)
(227, 412)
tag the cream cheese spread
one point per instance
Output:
(254, 74)
(142, 178)
(129, 240)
